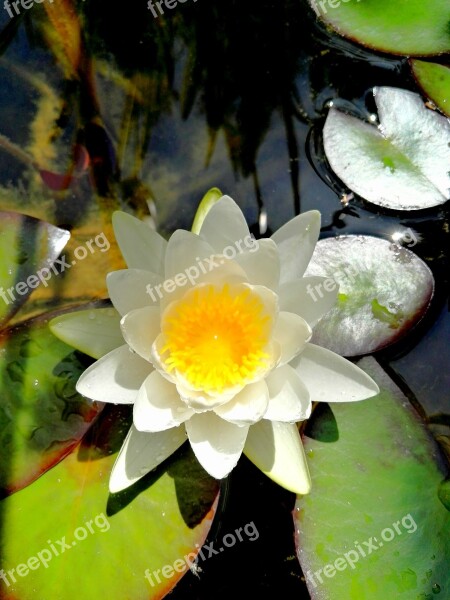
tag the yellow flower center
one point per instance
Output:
(216, 337)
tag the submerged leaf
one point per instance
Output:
(402, 164)
(384, 290)
(42, 417)
(374, 525)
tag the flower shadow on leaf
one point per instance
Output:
(322, 425)
(195, 490)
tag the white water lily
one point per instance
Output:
(222, 358)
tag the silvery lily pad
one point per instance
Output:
(384, 289)
(403, 163)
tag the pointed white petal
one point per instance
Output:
(216, 443)
(158, 405)
(141, 452)
(296, 240)
(246, 407)
(277, 450)
(94, 332)
(261, 263)
(140, 328)
(184, 252)
(289, 398)
(291, 332)
(141, 246)
(115, 378)
(309, 298)
(224, 225)
(331, 378)
(133, 288)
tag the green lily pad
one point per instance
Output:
(28, 248)
(410, 27)
(106, 544)
(374, 525)
(42, 417)
(434, 79)
(403, 163)
(384, 290)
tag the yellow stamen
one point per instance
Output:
(216, 337)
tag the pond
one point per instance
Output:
(287, 107)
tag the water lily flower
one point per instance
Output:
(214, 345)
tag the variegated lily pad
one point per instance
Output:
(384, 289)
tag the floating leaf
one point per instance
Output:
(42, 417)
(27, 246)
(434, 79)
(402, 164)
(154, 528)
(384, 289)
(373, 526)
(404, 27)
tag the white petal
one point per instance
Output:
(277, 450)
(141, 246)
(289, 398)
(184, 251)
(224, 225)
(261, 263)
(133, 288)
(308, 297)
(291, 332)
(140, 328)
(246, 407)
(158, 405)
(217, 444)
(115, 378)
(296, 240)
(94, 332)
(331, 378)
(141, 452)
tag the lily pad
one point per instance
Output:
(110, 543)
(434, 79)
(401, 164)
(27, 245)
(42, 417)
(409, 27)
(384, 290)
(373, 526)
